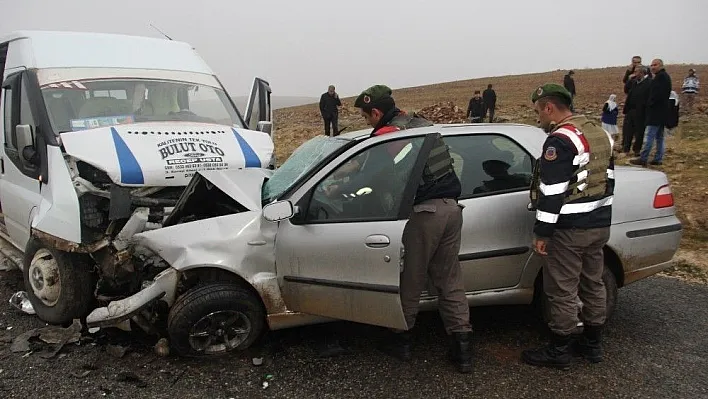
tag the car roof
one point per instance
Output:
(531, 137)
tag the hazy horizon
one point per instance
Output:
(301, 48)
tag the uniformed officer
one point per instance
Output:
(431, 237)
(572, 193)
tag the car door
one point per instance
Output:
(19, 178)
(341, 255)
(495, 173)
(259, 114)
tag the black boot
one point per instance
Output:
(398, 345)
(461, 351)
(589, 345)
(557, 354)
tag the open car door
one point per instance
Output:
(259, 114)
(341, 256)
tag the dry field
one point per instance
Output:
(686, 161)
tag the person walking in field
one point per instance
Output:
(609, 116)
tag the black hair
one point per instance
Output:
(560, 102)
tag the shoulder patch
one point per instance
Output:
(550, 154)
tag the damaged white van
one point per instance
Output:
(100, 135)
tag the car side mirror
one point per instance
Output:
(279, 210)
(265, 127)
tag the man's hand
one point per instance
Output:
(539, 246)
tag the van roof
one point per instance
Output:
(61, 49)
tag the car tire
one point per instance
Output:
(215, 319)
(610, 292)
(59, 285)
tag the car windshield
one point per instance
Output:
(305, 157)
(97, 102)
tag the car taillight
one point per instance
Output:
(664, 198)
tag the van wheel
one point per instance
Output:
(610, 292)
(59, 285)
(214, 319)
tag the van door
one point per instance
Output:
(259, 114)
(19, 167)
(3, 58)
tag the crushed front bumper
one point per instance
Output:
(164, 287)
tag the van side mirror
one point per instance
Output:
(265, 127)
(25, 144)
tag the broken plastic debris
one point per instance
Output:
(21, 302)
(93, 330)
(116, 350)
(257, 361)
(52, 335)
(265, 384)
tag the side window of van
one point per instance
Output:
(7, 99)
(25, 110)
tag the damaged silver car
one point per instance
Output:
(253, 249)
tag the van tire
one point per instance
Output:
(218, 302)
(74, 274)
(610, 291)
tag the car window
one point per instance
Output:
(489, 164)
(368, 186)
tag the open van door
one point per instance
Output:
(259, 115)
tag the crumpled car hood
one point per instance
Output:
(166, 153)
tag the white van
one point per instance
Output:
(100, 135)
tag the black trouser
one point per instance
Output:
(491, 114)
(632, 132)
(331, 120)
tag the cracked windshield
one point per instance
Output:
(88, 104)
(300, 162)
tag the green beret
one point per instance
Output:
(372, 95)
(551, 89)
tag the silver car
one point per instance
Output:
(253, 249)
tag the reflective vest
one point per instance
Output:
(593, 149)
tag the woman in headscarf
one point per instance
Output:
(609, 116)
(673, 118)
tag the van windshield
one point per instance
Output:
(97, 102)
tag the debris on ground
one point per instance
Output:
(83, 374)
(445, 112)
(162, 347)
(257, 361)
(21, 302)
(53, 335)
(116, 350)
(132, 378)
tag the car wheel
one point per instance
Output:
(610, 292)
(59, 285)
(214, 319)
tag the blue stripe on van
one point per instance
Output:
(252, 160)
(130, 171)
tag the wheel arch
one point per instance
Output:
(205, 274)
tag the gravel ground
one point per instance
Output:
(656, 347)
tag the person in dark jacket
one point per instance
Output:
(329, 108)
(657, 112)
(475, 109)
(630, 75)
(569, 84)
(635, 112)
(490, 102)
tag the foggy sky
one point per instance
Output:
(301, 46)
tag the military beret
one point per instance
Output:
(372, 95)
(551, 89)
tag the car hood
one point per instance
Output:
(167, 153)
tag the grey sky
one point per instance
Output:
(301, 46)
